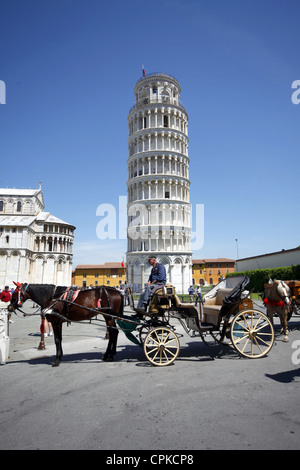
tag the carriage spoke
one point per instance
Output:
(262, 340)
(257, 345)
(247, 341)
(152, 351)
(169, 352)
(242, 325)
(153, 339)
(171, 341)
(261, 327)
(242, 338)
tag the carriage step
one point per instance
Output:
(139, 311)
(206, 327)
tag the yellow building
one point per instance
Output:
(211, 271)
(107, 274)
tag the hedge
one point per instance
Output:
(259, 277)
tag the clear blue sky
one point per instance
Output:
(70, 67)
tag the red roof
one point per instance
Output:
(213, 260)
(100, 266)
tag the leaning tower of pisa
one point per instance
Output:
(159, 210)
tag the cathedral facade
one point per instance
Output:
(35, 246)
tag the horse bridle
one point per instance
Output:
(21, 292)
(285, 296)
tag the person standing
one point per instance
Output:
(5, 296)
(191, 292)
(198, 295)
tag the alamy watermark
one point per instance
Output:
(296, 94)
(157, 220)
(2, 92)
(296, 354)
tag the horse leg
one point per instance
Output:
(270, 315)
(57, 328)
(114, 341)
(112, 344)
(284, 327)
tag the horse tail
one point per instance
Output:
(121, 312)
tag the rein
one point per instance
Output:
(25, 314)
(100, 310)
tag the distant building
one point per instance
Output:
(211, 271)
(35, 246)
(208, 271)
(107, 274)
(269, 260)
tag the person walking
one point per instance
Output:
(198, 295)
(191, 292)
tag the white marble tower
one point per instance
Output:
(159, 210)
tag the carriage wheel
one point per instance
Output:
(161, 346)
(252, 334)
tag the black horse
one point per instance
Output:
(105, 300)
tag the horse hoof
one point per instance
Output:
(56, 363)
(108, 359)
(286, 339)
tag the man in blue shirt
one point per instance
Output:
(158, 272)
(157, 279)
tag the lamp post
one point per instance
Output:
(237, 248)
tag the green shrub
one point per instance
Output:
(259, 277)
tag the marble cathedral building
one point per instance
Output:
(35, 246)
(158, 186)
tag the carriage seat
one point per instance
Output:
(212, 307)
(186, 308)
(182, 305)
(162, 300)
(159, 301)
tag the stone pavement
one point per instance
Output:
(210, 398)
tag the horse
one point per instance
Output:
(88, 303)
(277, 299)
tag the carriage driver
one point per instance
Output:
(157, 279)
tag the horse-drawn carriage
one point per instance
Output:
(226, 317)
(294, 287)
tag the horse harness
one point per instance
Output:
(273, 303)
(68, 296)
(71, 294)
